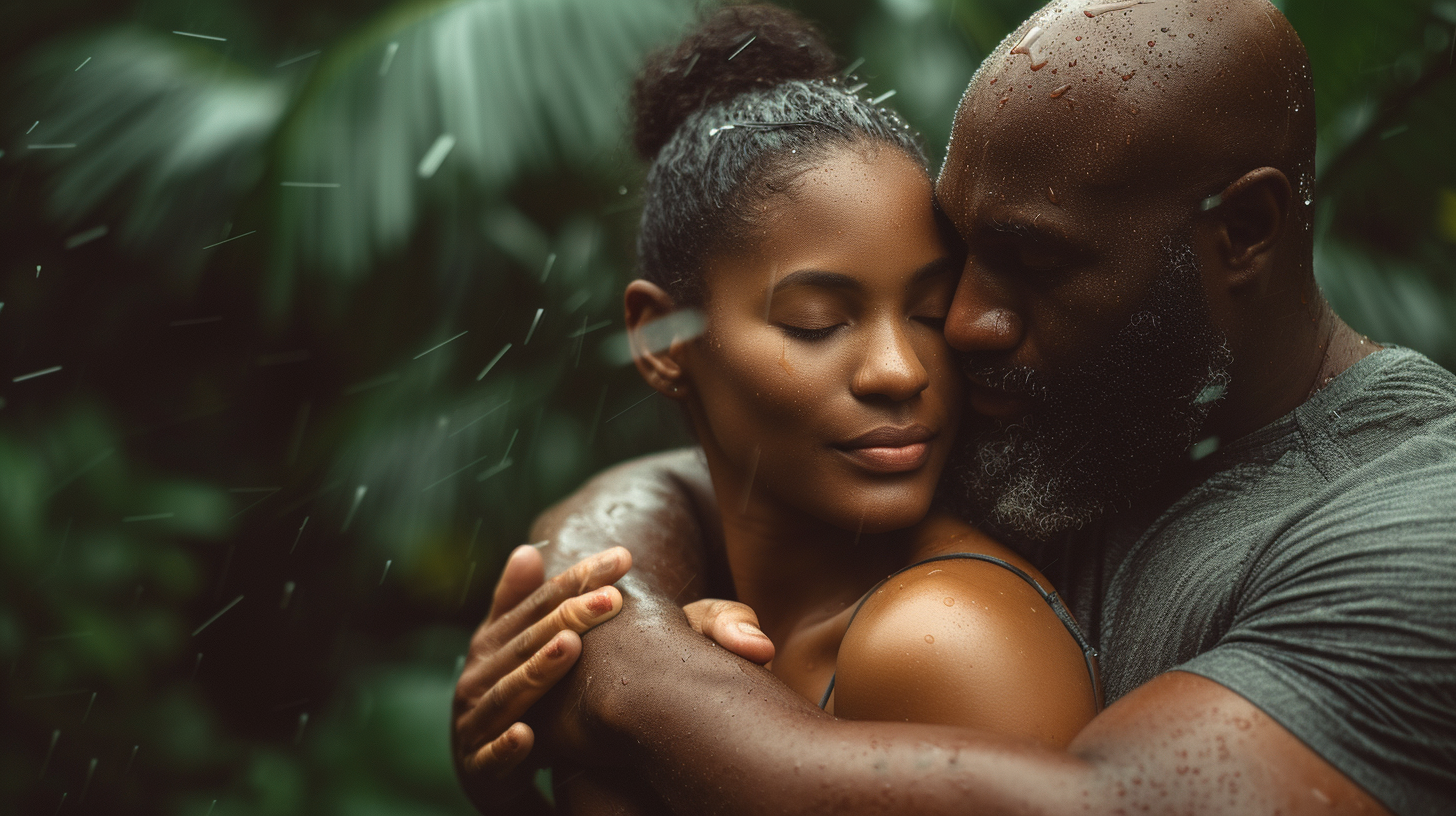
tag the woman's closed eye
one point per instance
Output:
(811, 316)
(809, 333)
(936, 322)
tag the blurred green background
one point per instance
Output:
(309, 306)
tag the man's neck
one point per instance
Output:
(1280, 370)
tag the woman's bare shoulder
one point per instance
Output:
(964, 642)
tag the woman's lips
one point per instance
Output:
(890, 449)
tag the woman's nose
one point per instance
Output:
(891, 366)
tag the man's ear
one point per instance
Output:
(646, 303)
(1248, 220)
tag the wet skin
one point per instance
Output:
(1179, 743)
(825, 400)
(1066, 195)
(822, 390)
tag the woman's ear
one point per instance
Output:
(1248, 220)
(646, 303)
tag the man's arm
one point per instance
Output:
(661, 509)
(714, 734)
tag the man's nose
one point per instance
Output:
(891, 366)
(983, 315)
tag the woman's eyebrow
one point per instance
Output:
(818, 277)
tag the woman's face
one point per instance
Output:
(822, 377)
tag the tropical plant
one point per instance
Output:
(319, 307)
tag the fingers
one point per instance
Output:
(531, 662)
(525, 571)
(732, 625)
(528, 643)
(501, 755)
(575, 615)
(507, 700)
(583, 577)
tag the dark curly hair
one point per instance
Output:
(728, 117)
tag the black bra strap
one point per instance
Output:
(1089, 653)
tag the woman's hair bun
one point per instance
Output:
(735, 49)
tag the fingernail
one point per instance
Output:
(518, 552)
(600, 603)
(751, 630)
(556, 648)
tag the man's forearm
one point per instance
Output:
(715, 734)
(661, 509)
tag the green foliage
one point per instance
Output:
(304, 397)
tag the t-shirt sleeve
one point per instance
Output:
(1344, 630)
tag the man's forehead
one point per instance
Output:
(1007, 164)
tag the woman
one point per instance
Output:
(796, 220)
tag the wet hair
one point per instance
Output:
(729, 117)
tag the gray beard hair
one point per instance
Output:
(1038, 478)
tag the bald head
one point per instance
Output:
(1169, 97)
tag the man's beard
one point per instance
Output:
(1103, 431)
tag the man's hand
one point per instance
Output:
(732, 625)
(529, 641)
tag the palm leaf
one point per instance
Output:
(501, 87)
(167, 137)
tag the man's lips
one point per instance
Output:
(890, 448)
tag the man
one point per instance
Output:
(1275, 605)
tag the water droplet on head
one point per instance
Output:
(949, 601)
(1054, 95)
(930, 638)
(1029, 46)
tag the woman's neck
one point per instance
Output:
(791, 568)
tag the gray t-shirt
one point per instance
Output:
(1311, 568)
